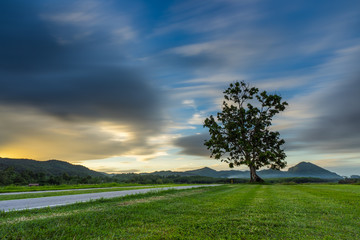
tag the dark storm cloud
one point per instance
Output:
(103, 93)
(337, 129)
(193, 145)
(29, 42)
(25, 43)
(68, 80)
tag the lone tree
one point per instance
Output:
(241, 134)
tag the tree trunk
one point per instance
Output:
(254, 178)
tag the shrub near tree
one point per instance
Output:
(240, 134)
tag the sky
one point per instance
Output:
(124, 86)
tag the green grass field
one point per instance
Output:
(223, 212)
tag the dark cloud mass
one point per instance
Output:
(71, 80)
(337, 128)
(25, 42)
(103, 94)
(193, 145)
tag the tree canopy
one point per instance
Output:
(240, 133)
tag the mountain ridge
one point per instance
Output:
(57, 167)
(302, 169)
(50, 167)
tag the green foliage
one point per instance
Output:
(10, 176)
(241, 133)
(251, 212)
(350, 181)
(156, 179)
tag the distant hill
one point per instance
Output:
(306, 169)
(51, 167)
(303, 169)
(207, 172)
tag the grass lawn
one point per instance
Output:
(223, 212)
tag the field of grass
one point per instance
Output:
(223, 212)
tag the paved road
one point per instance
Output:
(31, 203)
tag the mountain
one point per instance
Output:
(51, 167)
(306, 169)
(270, 173)
(207, 172)
(303, 169)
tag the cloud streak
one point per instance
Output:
(193, 145)
(337, 128)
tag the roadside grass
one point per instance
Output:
(12, 188)
(69, 192)
(221, 212)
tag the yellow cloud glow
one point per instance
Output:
(119, 133)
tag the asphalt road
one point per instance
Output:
(32, 203)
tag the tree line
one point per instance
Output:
(11, 177)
